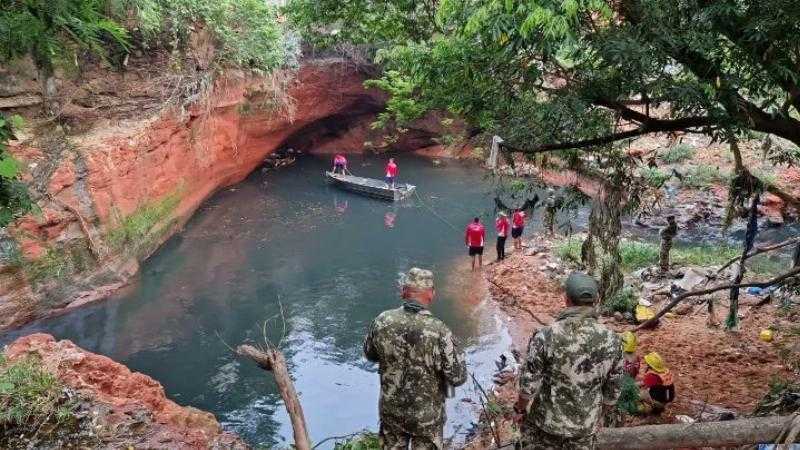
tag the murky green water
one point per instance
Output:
(331, 259)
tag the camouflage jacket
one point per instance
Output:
(417, 359)
(573, 368)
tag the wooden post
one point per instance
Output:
(272, 360)
(495, 152)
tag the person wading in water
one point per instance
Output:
(474, 238)
(502, 225)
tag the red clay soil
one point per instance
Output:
(730, 370)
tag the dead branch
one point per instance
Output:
(272, 360)
(761, 284)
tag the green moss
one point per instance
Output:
(144, 225)
(30, 396)
(678, 153)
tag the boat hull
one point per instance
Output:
(370, 186)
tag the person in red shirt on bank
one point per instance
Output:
(518, 224)
(391, 172)
(502, 225)
(474, 238)
(339, 164)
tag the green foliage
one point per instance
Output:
(59, 262)
(562, 72)
(783, 399)
(30, 396)
(638, 255)
(704, 176)
(401, 107)
(14, 199)
(49, 30)
(146, 222)
(654, 177)
(629, 396)
(363, 441)
(678, 153)
(247, 31)
(624, 301)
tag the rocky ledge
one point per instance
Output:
(115, 407)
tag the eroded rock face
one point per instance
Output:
(126, 408)
(156, 169)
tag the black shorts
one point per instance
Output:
(475, 250)
(516, 232)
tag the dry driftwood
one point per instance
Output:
(702, 434)
(272, 360)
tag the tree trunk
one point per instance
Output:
(272, 360)
(755, 430)
(732, 323)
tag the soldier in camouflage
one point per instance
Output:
(668, 233)
(571, 373)
(418, 361)
(549, 219)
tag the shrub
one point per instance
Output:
(629, 396)
(624, 301)
(30, 396)
(678, 153)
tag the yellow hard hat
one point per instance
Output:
(629, 342)
(643, 313)
(655, 362)
(766, 335)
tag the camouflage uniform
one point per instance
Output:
(572, 370)
(418, 359)
(667, 235)
(550, 215)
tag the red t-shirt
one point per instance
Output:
(340, 159)
(501, 225)
(519, 219)
(391, 170)
(475, 235)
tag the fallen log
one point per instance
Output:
(756, 430)
(272, 360)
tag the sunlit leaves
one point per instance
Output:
(14, 199)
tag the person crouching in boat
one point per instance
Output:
(391, 172)
(658, 386)
(339, 164)
(473, 238)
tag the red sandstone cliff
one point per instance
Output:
(113, 186)
(126, 409)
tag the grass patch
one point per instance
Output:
(31, 396)
(59, 262)
(678, 153)
(654, 177)
(363, 441)
(703, 176)
(137, 229)
(638, 255)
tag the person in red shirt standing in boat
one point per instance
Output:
(339, 164)
(502, 225)
(474, 238)
(518, 224)
(391, 172)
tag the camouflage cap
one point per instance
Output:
(581, 289)
(417, 278)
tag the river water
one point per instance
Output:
(329, 260)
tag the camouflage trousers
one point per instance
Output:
(663, 257)
(395, 438)
(535, 439)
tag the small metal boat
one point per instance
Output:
(370, 186)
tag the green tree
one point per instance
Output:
(54, 30)
(14, 199)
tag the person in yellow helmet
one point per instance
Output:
(631, 360)
(658, 385)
